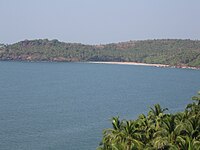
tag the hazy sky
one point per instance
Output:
(98, 21)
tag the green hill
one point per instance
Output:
(174, 52)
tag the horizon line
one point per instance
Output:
(84, 43)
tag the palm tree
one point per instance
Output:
(157, 110)
(156, 115)
(156, 131)
(147, 128)
(132, 135)
(124, 134)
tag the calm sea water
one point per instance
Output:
(65, 106)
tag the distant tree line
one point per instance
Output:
(172, 52)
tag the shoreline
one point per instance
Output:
(142, 64)
(114, 63)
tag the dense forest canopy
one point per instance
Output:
(174, 52)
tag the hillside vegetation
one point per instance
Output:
(156, 131)
(172, 52)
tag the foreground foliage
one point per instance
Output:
(172, 52)
(156, 131)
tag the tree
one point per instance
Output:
(156, 131)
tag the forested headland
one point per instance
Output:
(173, 52)
(157, 130)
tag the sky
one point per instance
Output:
(98, 21)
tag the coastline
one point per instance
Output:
(142, 64)
(113, 63)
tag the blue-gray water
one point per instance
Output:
(65, 106)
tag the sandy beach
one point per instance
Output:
(129, 63)
(143, 64)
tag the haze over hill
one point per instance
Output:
(174, 52)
